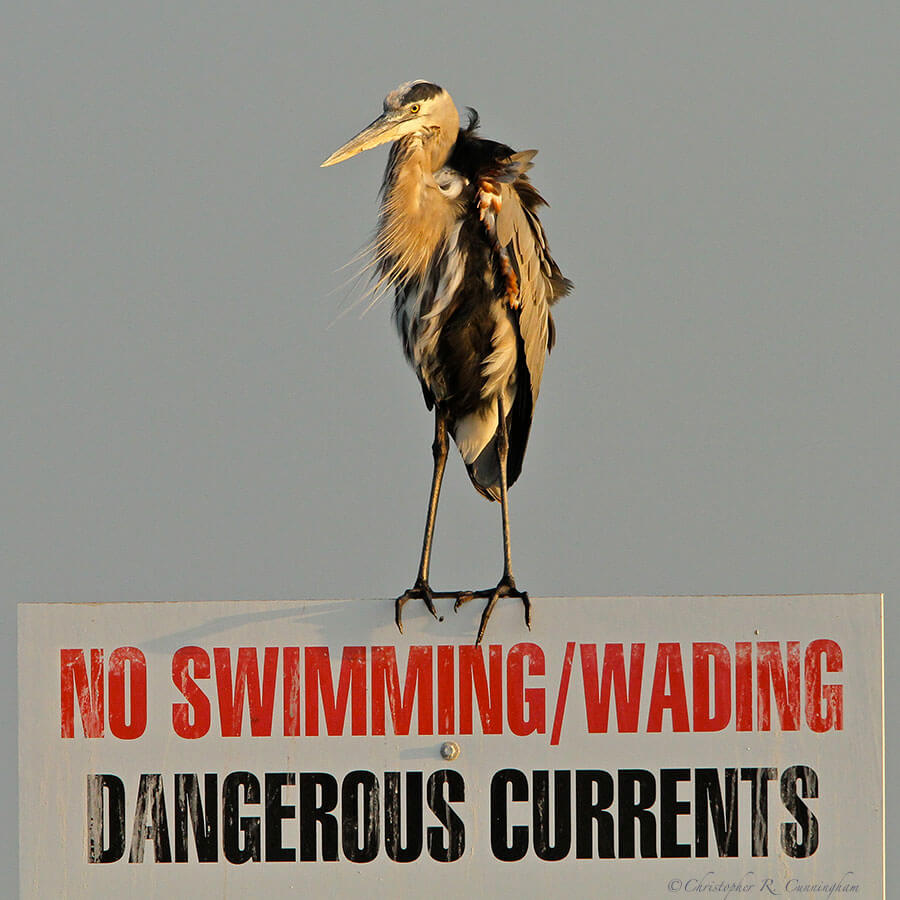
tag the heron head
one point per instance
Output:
(416, 107)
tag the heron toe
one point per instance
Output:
(419, 591)
(506, 587)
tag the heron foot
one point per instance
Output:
(421, 590)
(506, 587)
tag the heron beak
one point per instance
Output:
(383, 129)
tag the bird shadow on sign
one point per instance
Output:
(304, 613)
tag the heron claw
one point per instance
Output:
(506, 587)
(419, 591)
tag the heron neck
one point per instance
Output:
(438, 147)
(428, 151)
(416, 217)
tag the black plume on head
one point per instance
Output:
(423, 90)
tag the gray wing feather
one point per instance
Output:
(521, 235)
(505, 228)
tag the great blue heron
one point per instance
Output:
(459, 240)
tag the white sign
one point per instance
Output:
(627, 747)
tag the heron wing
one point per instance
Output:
(522, 246)
(507, 204)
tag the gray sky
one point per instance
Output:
(186, 415)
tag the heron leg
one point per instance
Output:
(506, 587)
(421, 589)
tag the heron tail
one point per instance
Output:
(485, 470)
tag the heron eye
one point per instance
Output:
(414, 108)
